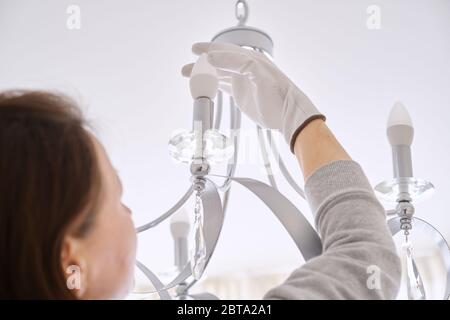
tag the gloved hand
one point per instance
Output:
(260, 89)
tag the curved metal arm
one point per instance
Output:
(444, 248)
(218, 110)
(159, 286)
(235, 125)
(166, 215)
(213, 222)
(283, 168)
(305, 237)
(300, 230)
(265, 157)
(303, 234)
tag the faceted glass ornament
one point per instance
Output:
(425, 257)
(198, 253)
(214, 147)
(417, 189)
(414, 284)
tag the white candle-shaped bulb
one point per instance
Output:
(179, 224)
(400, 130)
(204, 81)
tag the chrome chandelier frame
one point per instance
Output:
(214, 206)
(214, 197)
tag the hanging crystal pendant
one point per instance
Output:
(198, 253)
(414, 283)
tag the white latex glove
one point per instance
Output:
(263, 92)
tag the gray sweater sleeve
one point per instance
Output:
(359, 259)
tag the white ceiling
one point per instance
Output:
(124, 67)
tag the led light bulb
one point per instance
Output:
(204, 81)
(400, 130)
(404, 186)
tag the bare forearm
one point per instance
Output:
(316, 146)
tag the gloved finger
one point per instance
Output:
(226, 88)
(236, 62)
(226, 83)
(243, 94)
(186, 71)
(225, 78)
(205, 47)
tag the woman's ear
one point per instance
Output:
(73, 264)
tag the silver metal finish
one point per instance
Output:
(218, 110)
(213, 223)
(401, 160)
(265, 157)
(241, 12)
(283, 168)
(305, 237)
(235, 125)
(166, 215)
(405, 210)
(199, 169)
(159, 286)
(203, 114)
(246, 37)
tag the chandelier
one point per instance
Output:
(205, 146)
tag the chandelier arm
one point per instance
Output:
(303, 234)
(225, 200)
(190, 285)
(444, 248)
(282, 166)
(419, 278)
(213, 222)
(159, 286)
(300, 230)
(265, 157)
(213, 217)
(218, 110)
(235, 124)
(166, 215)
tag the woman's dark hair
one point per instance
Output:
(49, 177)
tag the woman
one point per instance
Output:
(64, 232)
(61, 215)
